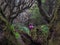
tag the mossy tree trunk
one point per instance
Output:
(7, 32)
(53, 22)
(56, 26)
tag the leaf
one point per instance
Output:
(45, 28)
(25, 29)
(17, 35)
(43, 1)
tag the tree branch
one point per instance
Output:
(44, 14)
(1, 12)
(27, 6)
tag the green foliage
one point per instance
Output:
(36, 16)
(43, 1)
(22, 28)
(15, 33)
(45, 30)
(34, 11)
(25, 29)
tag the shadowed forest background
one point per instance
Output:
(29, 22)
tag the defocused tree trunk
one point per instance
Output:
(53, 22)
(9, 10)
(56, 26)
(7, 33)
